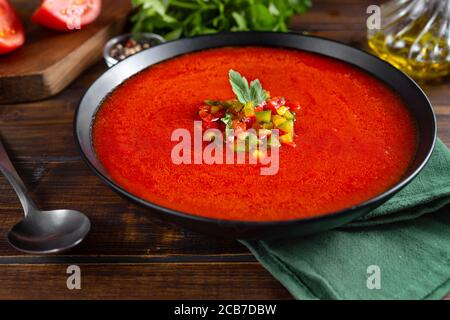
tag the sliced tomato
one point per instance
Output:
(67, 15)
(12, 34)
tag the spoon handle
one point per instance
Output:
(8, 170)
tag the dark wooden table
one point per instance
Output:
(128, 255)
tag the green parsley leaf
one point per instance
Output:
(240, 87)
(174, 19)
(245, 93)
(257, 93)
(227, 120)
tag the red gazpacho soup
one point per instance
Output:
(345, 136)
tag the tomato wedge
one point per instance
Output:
(67, 15)
(12, 34)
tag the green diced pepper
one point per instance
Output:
(287, 126)
(289, 115)
(263, 116)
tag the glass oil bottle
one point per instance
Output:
(414, 37)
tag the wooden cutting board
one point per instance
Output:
(51, 60)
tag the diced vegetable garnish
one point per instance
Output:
(249, 109)
(278, 120)
(239, 126)
(258, 154)
(263, 116)
(215, 109)
(287, 126)
(254, 109)
(289, 115)
(252, 140)
(264, 133)
(272, 141)
(282, 110)
(237, 106)
(287, 138)
(267, 125)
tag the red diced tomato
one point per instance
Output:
(249, 121)
(294, 106)
(274, 103)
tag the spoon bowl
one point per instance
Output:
(45, 232)
(41, 232)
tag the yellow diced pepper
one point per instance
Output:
(282, 110)
(278, 120)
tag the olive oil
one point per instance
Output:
(415, 37)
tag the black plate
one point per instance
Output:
(414, 97)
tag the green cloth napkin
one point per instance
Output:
(412, 255)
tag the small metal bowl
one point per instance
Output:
(151, 38)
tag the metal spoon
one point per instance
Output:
(42, 232)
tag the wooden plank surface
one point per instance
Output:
(128, 254)
(50, 60)
(142, 281)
